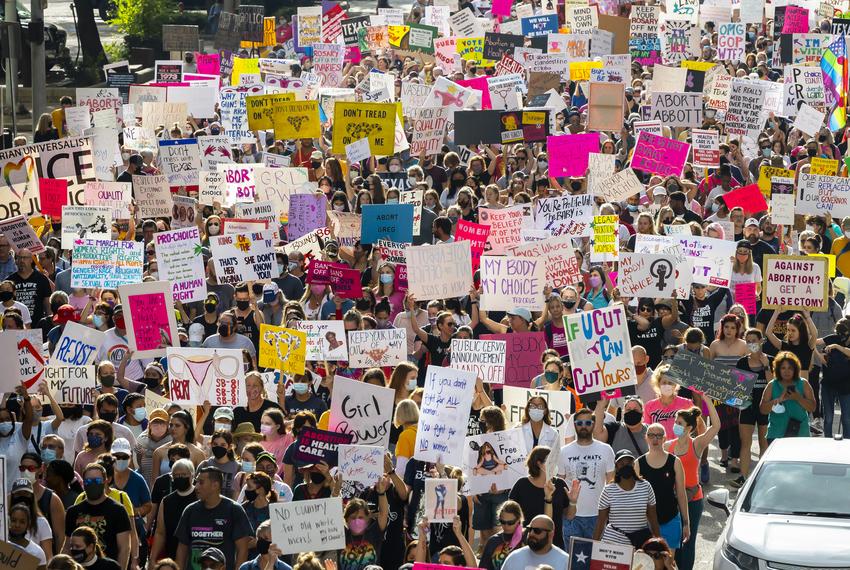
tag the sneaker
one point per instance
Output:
(704, 473)
(737, 483)
(816, 426)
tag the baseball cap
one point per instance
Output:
(223, 412)
(22, 485)
(521, 312)
(214, 554)
(158, 414)
(622, 454)
(121, 445)
(270, 291)
(64, 314)
(751, 222)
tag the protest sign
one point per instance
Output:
(179, 38)
(617, 187)
(12, 556)
(77, 120)
(559, 258)
(152, 196)
(794, 282)
(484, 357)
(746, 100)
(749, 198)
(387, 221)
(391, 251)
(439, 271)
(21, 235)
(476, 235)
(504, 227)
(346, 282)
(363, 410)
(361, 463)
(729, 385)
(568, 153)
(376, 348)
(9, 352)
(677, 109)
(745, 294)
(494, 459)
(711, 257)
(106, 264)
(605, 244)
(72, 384)
(600, 350)
(766, 173)
(29, 357)
(199, 374)
(307, 212)
(354, 121)
(183, 211)
(646, 275)
(315, 445)
(440, 499)
(522, 361)
(244, 257)
(509, 282)
(180, 160)
(660, 155)
(826, 166)
(302, 526)
(54, 195)
(85, 222)
(178, 253)
(597, 554)
(443, 415)
(818, 195)
(730, 41)
(114, 195)
(326, 340)
(78, 345)
(782, 200)
(149, 314)
(706, 148)
(559, 401)
(282, 349)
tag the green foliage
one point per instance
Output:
(116, 51)
(144, 18)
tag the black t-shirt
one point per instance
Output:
(761, 379)
(173, 506)
(663, 481)
(314, 404)
(531, 499)
(802, 351)
(209, 328)
(220, 527)
(392, 552)
(762, 248)
(241, 414)
(650, 339)
(836, 372)
(700, 314)
(442, 534)
(415, 474)
(291, 287)
(438, 350)
(496, 551)
(108, 519)
(763, 318)
(473, 424)
(361, 551)
(101, 563)
(32, 292)
(161, 488)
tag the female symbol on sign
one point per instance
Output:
(661, 269)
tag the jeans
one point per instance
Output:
(581, 527)
(686, 555)
(828, 396)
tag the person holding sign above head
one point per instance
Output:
(800, 339)
(364, 534)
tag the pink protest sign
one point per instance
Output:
(476, 235)
(208, 63)
(149, 314)
(345, 281)
(745, 294)
(659, 155)
(501, 8)
(796, 20)
(748, 197)
(307, 212)
(568, 154)
(400, 279)
(522, 356)
(54, 195)
(480, 85)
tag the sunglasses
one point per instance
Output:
(503, 522)
(655, 435)
(31, 468)
(535, 530)
(95, 481)
(584, 423)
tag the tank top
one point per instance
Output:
(44, 505)
(663, 481)
(690, 464)
(777, 424)
(252, 331)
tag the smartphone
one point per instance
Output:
(790, 389)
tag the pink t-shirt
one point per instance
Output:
(655, 412)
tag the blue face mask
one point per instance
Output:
(98, 321)
(139, 414)
(248, 466)
(48, 455)
(678, 430)
(300, 388)
(386, 278)
(6, 428)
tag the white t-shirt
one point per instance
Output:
(12, 447)
(590, 464)
(68, 430)
(33, 549)
(25, 313)
(43, 531)
(113, 348)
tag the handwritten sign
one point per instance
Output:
(646, 275)
(361, 463)
(244, 257)
(564, 215)
(559, 259)
(484, 357)
(729, 385)
(439, 271)
(302, 526)
(508, 282)
(178, 253)
(363, 410)
(443, 415)
(78, 345)
(283, 349)
(326, 340)
(21, 235)
(476, 235)
(522, 356)
(660, 155)
(818, 195)
(85, 222)
(149, 314)
(504, 227)
(72, 384)
(795, 282)
(568, 154)
(376, 348)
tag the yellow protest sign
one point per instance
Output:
(244, 66)
(260, 109)
(826, 166)
(698, 65)
(269, 35)
(354, 121)
(395, 35)
(580, 70)
(830, 261)
(283, 349)
(288, 118)
(471, 49)
(768, 172)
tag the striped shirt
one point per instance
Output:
(627, 509)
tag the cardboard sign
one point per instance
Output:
(730, 41)
(564, 215)
(819, 195)
(439, 271)
(444, 414)
(106, 264)
(85, 222)
(508, 282)
(307, 212)
(484, 357)
(495, 459)
(746, 101)
(504, 226)
(345, 281)
(363, 410)
(600, 350)
(660, 155)
(598, 554)
(282, 349)
(149, 314)
(559, 259)
(302, 526)
(21, 235)
(440, 500)
(199, 374)
(72, 384)
(646, 275)
(179, 38)
(711, 257)
(729, 385)
(522, 356)
(793, 282)
(29, 356)
(361, 463)
(11, 555)
(244, 257)
(677, 109)
(782, 200)
(559, 401)
(315, 445)
(54, 196)
(376, 348)
(326, 340)
(354, 121)
(568, 154)
(78, 345)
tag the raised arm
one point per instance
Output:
(410, 304)
(771, 336)
(701, 441)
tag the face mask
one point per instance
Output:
(847, 235)
(214, 229)
(119, 322)
(678, 430)
(262, 543)
(357, 526)
(392, 200)
(248, 466)
(666, 389)
(536, 415)
(210, 307)
(48, 455)
(300, 388)
(29, 476)
(595, 281)
(632, 417)
(317, 478)
(180, 483)
(551, 377)
(94, 441)
(575, 185)
(224, 330)
(626, 472)
(94, 491)
(411, 385)
(640, 369)
(219, 451)
(122, 464)
(108, 381)
(222, 426)
(78, 554)
(386, 278)
(632, 207)
(98, 321)
(778, 409)
(754, 346)
(250, 495)
(542, 164)
(139, 414)
(242, 305)
(569, 304)
(6, 296)
(108, 416)
(268, 430)
(395, 168)
(766, 152)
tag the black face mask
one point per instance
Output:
(317, 478)
(108, 381)
(94, 491)
(219, 451)
(575, 185)
(180, 483)
(569, 304)
(224, 330)
(262, 543)
(108, 416)
(632, 417)
(78, 554)
(210, 307)
(153, 382)
(6, 296)
(242, 305)
(250, 495)
(17, 535)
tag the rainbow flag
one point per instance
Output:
(833, 64)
